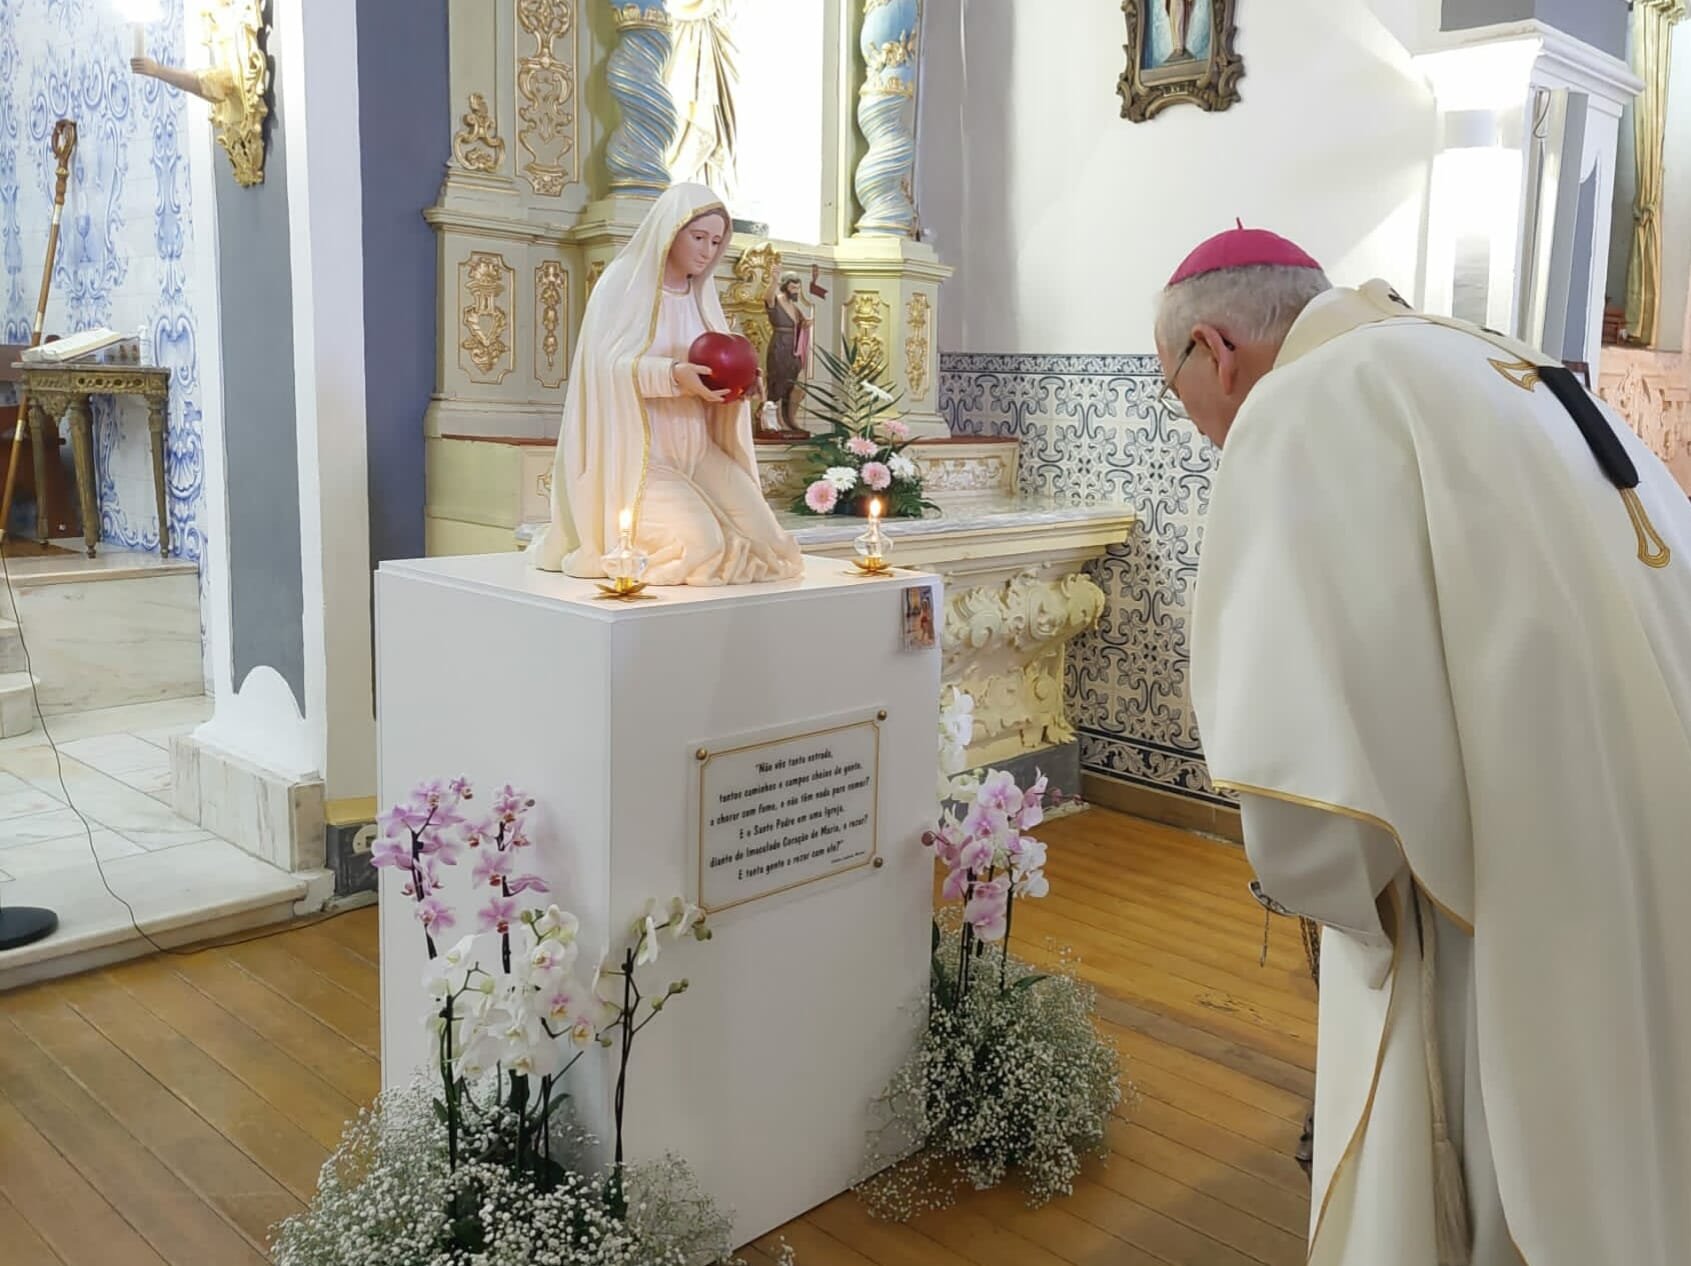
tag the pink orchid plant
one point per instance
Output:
(989, 858)
(503, 1020)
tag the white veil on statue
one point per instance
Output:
(600, 467)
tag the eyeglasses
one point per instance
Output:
(1168, 383)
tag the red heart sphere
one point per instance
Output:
(730, 359)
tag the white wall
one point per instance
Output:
(1064, 220)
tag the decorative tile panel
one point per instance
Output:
(1090, 430)
(124, 242)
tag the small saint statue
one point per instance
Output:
(643, 431)
(1179, 28)
(790, 323)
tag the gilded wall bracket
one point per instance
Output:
(236, 82)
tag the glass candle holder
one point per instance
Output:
(872, 547)
(625, 566)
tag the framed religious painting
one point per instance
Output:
(1178, 51)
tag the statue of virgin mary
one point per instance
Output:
(642, 432)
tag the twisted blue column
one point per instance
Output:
(634, 74)
(886, 115)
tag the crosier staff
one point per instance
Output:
(64, 145)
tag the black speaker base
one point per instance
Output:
(24, 925)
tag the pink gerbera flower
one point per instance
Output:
(897, 430)
(862, 446)
(877, 475)
(821, 497)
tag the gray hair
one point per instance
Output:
(1257, 304)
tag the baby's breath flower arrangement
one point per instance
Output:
(473, 1164)
(1011, 1075)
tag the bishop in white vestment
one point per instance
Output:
(1442, 653)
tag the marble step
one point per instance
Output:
(11, 648)
(17, 704)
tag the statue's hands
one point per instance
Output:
(691, 379)
(145, 66)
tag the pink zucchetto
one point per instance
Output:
(1242, 248)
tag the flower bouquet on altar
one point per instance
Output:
(860, 457)
(475, 1162)
(1010, 1074)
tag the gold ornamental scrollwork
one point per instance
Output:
(632, 15)
(478, 145)
(546, 84)
(743, 303)
(889, 56)
(866, 315)
(551, 288)
(918, 343)
(596, 270)
(236, 85)
(484, 294)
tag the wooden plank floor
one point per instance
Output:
(170, 1111)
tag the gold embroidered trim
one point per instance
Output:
(1653, 551)
(1356, 815)
(1356, 1137)
(1519, 373)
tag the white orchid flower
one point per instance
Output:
(552, 956)
(648, 948)
(683, 916)
(558, 924)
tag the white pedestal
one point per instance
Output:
(805, 1001)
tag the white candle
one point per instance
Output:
(625, 521)
(140, 39)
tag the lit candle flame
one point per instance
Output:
(625, 520)
(875, 508)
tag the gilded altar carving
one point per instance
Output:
(596, 270)
(886, 57)
(983, 476)
(478, 145)
(1652, 391)
(866, 314)
(485, 294)
(546, 118)
(918, 341)
(742, 303)
(236, 84)
(551, 291)
(1005, 646)
(633, 15)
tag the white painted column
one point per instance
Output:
(259, 771)
(257, 719)
(318, 63)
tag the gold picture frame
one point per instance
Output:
(1178, 51)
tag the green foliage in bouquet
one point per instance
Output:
(861, 454)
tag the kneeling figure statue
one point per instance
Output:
(643, 432)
